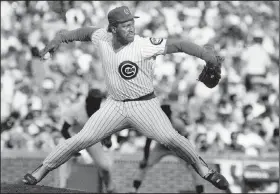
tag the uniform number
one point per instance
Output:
(128, 70)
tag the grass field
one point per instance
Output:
(20, 188)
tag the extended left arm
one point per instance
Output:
(205, 53)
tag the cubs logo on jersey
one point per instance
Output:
(156, 41)
(128, 70)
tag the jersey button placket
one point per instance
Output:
(127, 107)
(122, 109)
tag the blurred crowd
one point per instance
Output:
(239, 115)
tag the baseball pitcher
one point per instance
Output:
(128, 62)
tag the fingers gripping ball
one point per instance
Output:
(51, 47)
(47, 56)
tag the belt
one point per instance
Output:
(145, 97)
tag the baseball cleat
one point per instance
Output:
(217, 180)
(28, 179)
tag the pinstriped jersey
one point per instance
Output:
(129, 71)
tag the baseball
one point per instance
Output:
(47, 56)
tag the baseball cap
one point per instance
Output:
(120, 15)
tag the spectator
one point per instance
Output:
(201, 34)
(251, 140)
(234, 145)
(10, 122)
(256, 60)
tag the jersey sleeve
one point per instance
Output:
(151, 47)
(98, 35)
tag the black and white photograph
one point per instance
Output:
(140, 97)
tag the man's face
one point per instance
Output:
(125, 32)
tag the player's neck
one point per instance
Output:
(117, 45)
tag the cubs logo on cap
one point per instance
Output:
(120, 15)
(126, 11)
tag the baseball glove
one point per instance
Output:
(211, 74)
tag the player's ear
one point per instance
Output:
(114, 29)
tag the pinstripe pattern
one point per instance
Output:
(77, 121)
(140, 51)
(146, 116)
(99, 125)
(149, 119)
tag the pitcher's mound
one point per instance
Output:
(21, 188)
